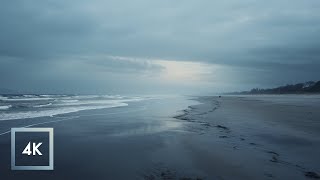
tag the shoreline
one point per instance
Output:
(177, 138)
(258, 128)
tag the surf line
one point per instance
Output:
(74, 117)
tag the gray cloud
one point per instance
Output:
(118, 64)
(251, 37)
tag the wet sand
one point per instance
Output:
(175, 138)
(256, 137)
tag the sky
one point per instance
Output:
(159, 46)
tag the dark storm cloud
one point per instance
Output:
(252, 37)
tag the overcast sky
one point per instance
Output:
(159, 46)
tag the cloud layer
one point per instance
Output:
(254, 43)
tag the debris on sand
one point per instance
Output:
(222, 127)
(274, 159)
(311, 174)
(272, 152)
(223, 136)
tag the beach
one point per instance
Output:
(180, 137)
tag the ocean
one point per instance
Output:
(32, 106)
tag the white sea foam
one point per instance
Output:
(54, 95)
(29, 96)
(96, 102)
(113, 96)
(86, 96)
(3, 98)
(53, 112)
(69, 101)
(26, 99)
(42, 105)
(30, 106)
(5, 107)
